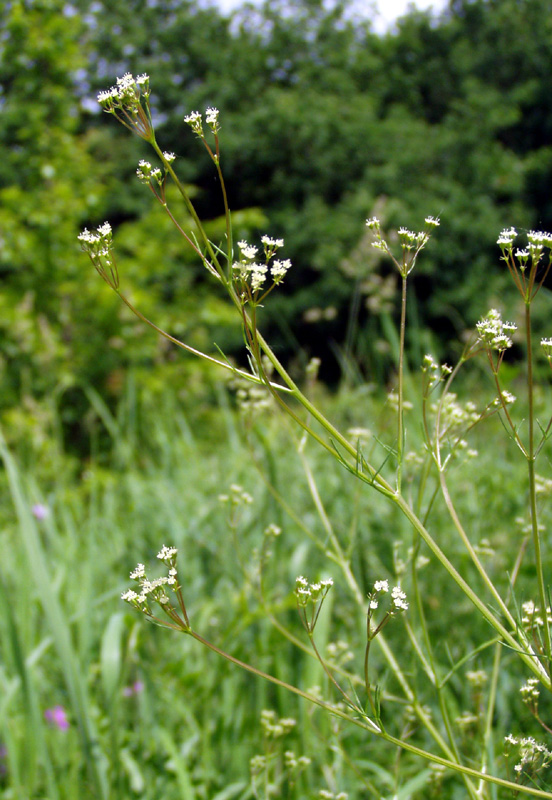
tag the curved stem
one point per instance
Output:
(367, 724)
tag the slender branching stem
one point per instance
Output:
(533, 494)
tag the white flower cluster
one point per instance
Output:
(99, 246)
(167, 554)
(532, 617)
(291, 761)
(339, 652)
(410, 240)
(477, 678)
(506, 239)
(536, 242)
(124, 101)
(126, 93)
(398, 597)
(546, 345)
(195, 121)
(99, 243)
(543, 485)
(237, 496)
(411, 243)
(146, 173)
(507, 397)
(274, 728)
(306, 592)
(529, 691)
(454, 415)
(493, 331)
(532, 755)
(254, 273)
(156, 589)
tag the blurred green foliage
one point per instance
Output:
(324, 124)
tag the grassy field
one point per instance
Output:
(96, 702)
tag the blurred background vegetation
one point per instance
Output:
(324, 123)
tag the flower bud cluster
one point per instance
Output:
(435, 372)
(237, 496)
(146, 173)
(530, 693)
(253, 399)
(493, 332)
(294, 763)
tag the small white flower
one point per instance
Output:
(248, 251)
(195, 122)
(105, 97)
(268, 241)
(279, 269)
(167, 553)
(170, 157)
(211, 117)
(105, 229)
(506, 237)
(381, 586)
(258, 275)
(492, 331)
(399, 598)
(139, 572)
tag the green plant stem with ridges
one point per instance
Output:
(532, 492)
(400, 415)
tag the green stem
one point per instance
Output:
(189, 205)
(527, 655)
(533, 493)
(368, 725)
(400, 420)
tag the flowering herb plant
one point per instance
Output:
(249, 273)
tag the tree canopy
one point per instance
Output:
(324, 123)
